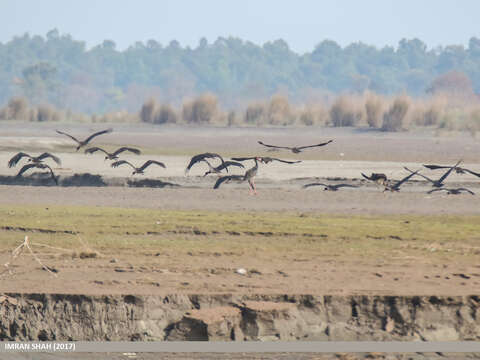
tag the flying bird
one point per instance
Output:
(219, 168)
(200, 157)
(458, 170)
(296, 149)
(396, 186)
(227, 179)
(437, 183)
(112, 156)
(248, 176)
(378, 178)
(33, 159)
(139, 170)
(453, 191)
(82, 143)
(330, 187)
(39, 166)
(266, 159)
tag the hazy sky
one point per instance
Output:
(302, 23)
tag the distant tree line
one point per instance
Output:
(59, 70)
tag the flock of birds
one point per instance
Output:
(249, 175)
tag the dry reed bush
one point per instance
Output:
(122, 116)
(374, 106)
(312, 115)
(344, 112)
(165, 115)
(202, 110)
(255, 114)
(16, 109)
(279, 111)
(47, 112)
(395, 119)
(147, 112)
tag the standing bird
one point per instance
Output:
(39, 166)
(248, 176)
(296, 149)
(266, 159)
(330, 187)
(34, 159)
(452, 191)
(219, 168)
(396, 186)
(112, 156)
(82, 143)
(437, 183)
(140, 169)
(200, 157)
(378, 178)
(458, 170)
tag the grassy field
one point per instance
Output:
(263, 234)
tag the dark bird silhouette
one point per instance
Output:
(456, 191)
(112, 156)
(330, 187)
(458, 170)
(295, 149)
(248, 176)
(82, 143)
(437, 183)
(34, 159)
(378, 178)
(139, 170)
(265, 159)
(396, 186)
(200, 157)
(219, 168)
(39, 166)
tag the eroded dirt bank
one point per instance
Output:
(235, 317)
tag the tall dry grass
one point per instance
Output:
(395, 118)
(344, 112)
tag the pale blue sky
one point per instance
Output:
(301, 23)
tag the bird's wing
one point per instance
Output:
(48, 155)
(70, 136)
(406, 178)
(150, 162)
(417, 173)
(16, 158)
(121, 162)
(243, 158)
(472, 172)
(345, 185)
(201, 157)
(466, 190)
(226, 164)
(366, 177)
(93, 149)
(314, 184)
(96, 134)
(222, 179)
(435, 167)
(26, 167)
(444, 176)
(287, 162)
(122, 149)
(51, 173)
(274, 146)
(309, 146)
(431, 191)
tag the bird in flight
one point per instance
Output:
(39, 166)
(266, 159)
(219, 168)
(437, 183)
(248, 176)
(453, 191)
(458, 170)
(114, 155)
(33, 159)
(200, 157)
(296, 149)
(82, 143)
(330, 187)
(396, 186)
(139, 170)
(378, 178)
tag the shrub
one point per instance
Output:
(279, 112)
(46, 112)
(147, 112)
(201, 110)
(343, 113)
(374, 111)
(255, 113)
(394, 118)
(165, 115)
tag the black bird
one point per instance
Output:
(112, 156)
(140, 169)
(330, 187)
(82, 143)
(201, 157)
(396, 186)
(265, 159)
(34, 159)
(219, 168)
(248, 176)
(458, 170)
(295, 149)
(452, 191)
(378, 178)
(39, 166)
(437, 183)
